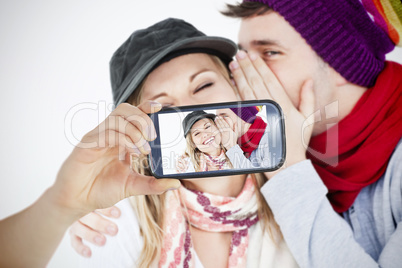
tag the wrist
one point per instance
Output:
(56, 207)
(287, 164)
(230, 145)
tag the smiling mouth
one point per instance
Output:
(209, 141)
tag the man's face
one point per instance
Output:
(288, 55)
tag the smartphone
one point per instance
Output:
(217, 139)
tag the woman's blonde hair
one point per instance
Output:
(149, 208)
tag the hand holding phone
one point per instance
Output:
(217, 139)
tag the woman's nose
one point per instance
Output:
(183, 100)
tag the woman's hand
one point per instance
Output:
(255, 80)
(228, 132)
(182, 164)
(98, 172)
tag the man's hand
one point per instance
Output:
(255, 80)
(93, 228)
(228, 134)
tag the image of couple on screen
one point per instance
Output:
(233, 138)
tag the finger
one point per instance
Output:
(307, 99)
(222, 127)
(226, 131)
(87, 233)
(219, 124)
(113, 138)
(253, 78)
(134, 132)
(229, 121)
(180, 165)
(225, 123)
(116, 130)
(139, 184)
(245, 92)
(235, 128)
(99, 224)
(272, 84)
(306, 108)
(222, 122)
(121, 125)
(112, 212)
(138, 116)
(79, 247)
(149, 107)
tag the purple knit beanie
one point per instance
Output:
(341, 32)
(247, 114)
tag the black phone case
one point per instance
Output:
(156, 150)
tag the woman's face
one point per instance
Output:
(188, 80)
(206, 136)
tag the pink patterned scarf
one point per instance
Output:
(220, 161)
(210, 213)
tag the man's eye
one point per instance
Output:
(203, 87)
(271, 53)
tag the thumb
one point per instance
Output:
(113, 212)
(149, 106)
(235, 128)
(306, 108)
(139, 184)
(307, 99)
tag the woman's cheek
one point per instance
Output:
(196, 142)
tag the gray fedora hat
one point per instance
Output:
(145, 49)
(192, 118)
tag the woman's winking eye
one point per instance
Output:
(206, 126)
(203, 86)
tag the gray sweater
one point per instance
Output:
(259, 158)
(368, 235)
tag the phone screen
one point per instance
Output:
(217, 139)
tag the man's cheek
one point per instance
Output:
(291, 83)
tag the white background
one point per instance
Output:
(54, 59)
(173, 143)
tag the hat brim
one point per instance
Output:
(222, 45)
(194, 119)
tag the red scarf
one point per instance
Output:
(250, 140)
(366, 139)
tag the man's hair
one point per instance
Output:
(346, 37)
(245, 9)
